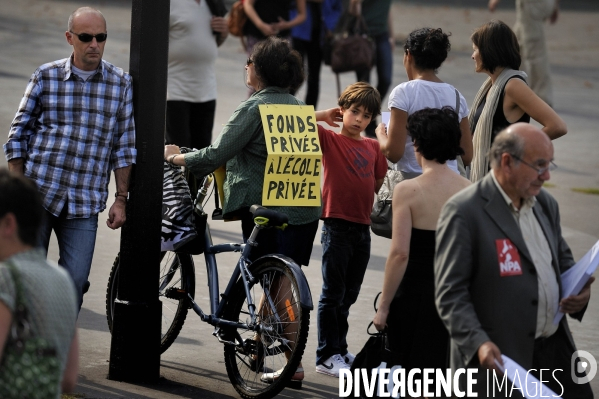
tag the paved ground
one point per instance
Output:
(32, 33)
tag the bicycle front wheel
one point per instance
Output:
(177, 278)
(251, 358)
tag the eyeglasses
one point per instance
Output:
(249, 62)
(551, 166)
(86, 37)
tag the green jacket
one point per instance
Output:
(242, 147)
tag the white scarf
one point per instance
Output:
(482, 134)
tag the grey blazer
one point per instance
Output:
(474, 301)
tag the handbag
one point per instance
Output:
(381, 217)
(237, 19)
(29, 367)
(352, 49)
(177, 210)
(374, 355)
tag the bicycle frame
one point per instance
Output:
(218, 302)
(217, 305)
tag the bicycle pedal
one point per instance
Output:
(175, 293)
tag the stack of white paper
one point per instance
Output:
(385, 117)
(577, 276)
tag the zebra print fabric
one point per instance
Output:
(177, 210)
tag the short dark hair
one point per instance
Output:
(506, 143)
(361, 94)
(20, 196)
(429, 47)
(497, 45)
(436, 133)
(278, 64)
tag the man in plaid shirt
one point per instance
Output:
(73, 126)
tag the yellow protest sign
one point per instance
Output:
(292, 174)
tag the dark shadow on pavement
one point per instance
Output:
(94, 390)
(90, 320)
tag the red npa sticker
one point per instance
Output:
(508, 257)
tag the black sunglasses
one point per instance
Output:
(86, 37)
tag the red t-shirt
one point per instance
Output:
(351, 169)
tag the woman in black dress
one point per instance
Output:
(417, 337)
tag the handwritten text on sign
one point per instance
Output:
(292, 174)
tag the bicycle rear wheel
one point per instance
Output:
(284, 325)
(177, 278)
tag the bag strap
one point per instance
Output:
(20, 326)
(20, 300)
(457, 103)
(384, 332)
(376, 298)
(360, 26)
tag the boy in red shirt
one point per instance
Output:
(354, 169)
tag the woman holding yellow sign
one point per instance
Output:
(274, 70)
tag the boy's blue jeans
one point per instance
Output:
(345, 255)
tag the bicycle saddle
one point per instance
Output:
(268, 218)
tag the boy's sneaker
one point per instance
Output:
(349, 358)
(332, 365)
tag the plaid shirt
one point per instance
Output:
(72, 133)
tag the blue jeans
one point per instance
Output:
(76, 243)
(345, 255)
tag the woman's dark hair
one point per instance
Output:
(497, 45)
(429, 47)
(277, 64)
(436, 133)
(19, 196)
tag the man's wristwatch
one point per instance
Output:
(124, 195)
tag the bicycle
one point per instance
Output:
(262, 317)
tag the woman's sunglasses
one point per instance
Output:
(86, 37)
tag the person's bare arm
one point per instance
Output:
(17, 165)
(520, 95)
(575, 303)
(250, 11)
(330, 116)
(393, 141)
(69, 376)
(117, 214)
(172, 154)
(489, 355)
(220, 26)
(493, 5)
(299, 18)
